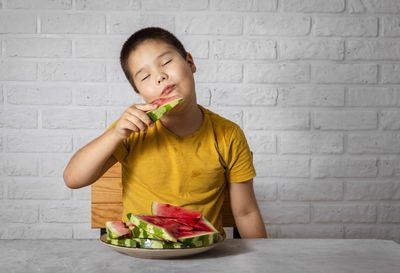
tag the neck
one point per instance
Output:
(185, 122)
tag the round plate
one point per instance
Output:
(149, 253)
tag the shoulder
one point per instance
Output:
(220, 123)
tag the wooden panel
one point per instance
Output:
(105, 212)
(107, 190)
(107, 200)
(114, 171)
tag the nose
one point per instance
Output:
(161, 77)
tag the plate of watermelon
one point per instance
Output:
(170, 232)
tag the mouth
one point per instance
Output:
(168, 89)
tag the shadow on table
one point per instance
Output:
(224, 249)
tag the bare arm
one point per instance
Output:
(94, 159)
(245, 210)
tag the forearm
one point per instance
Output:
(85, 165)
(251, 225)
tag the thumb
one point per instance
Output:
(146, 107)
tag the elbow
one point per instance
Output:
(68, 180)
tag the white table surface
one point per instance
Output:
(239, 255)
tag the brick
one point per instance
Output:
(2, 94)
(378, 231)
(39, 143)
(107, 5)
(312, 49)
(263, 119)
(214, 25)
(376, 6)
(389, 213)
(85, 231)
(345, 120)
(127, 24)
(325, 231)
(84, 193)
(98, 47)
(250, 5)
(173, 5)
(262, 142)
(12, 212)
(373, 50)
(265, 190)
(311, 143)
(53, 165)
(38, 47)
(344, 213)
(312, 5)
(390, 73)
(72, 71)
(41, 231)
(199, 48)
(277, 73)
(18, 71)
(203, 95)
(19, 165)
(344, 73)
(38, 189)
(65, 212)
(389, 119)
(355, 6)
(380, 143)
(219, 72)
(281, 166)
(39, 4)
(310, 191)
(19, 118)
(17, 23)
(38, 95)
(257, 95)
(389, 167)
(346, 26)
(279, 25)
(115, 73)
(373, 96)
(73, 118)
(391, 26)
(111, 95)
(311, 96)
(284, 214)
(244, 49)
(370, 190)
(343, 167)
(73, 23)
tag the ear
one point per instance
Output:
(189, 59)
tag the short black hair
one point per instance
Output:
(150, 33)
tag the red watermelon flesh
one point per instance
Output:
(168, 210)
(196, 224)
(116, 229)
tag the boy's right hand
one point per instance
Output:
(134, 119)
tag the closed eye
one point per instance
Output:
(167, 62)
(145, 77)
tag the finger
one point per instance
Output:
(146, 107)
(129, 126)
(141, 115)
(136, 121)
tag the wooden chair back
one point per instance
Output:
(106, 202)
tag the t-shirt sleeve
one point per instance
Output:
(240, 166)
(123, 147)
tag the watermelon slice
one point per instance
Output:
(164, 105)
(168, 210)
(123, 242)
(117, 229)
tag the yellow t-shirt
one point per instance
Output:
(190, 172)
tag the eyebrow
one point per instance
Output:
(159, 56)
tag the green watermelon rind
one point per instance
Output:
(141, 233)
(122, 242)
(152, 229)
(157, 113)
(205, 239)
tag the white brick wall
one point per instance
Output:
(315, 85)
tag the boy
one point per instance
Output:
(187, 158)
